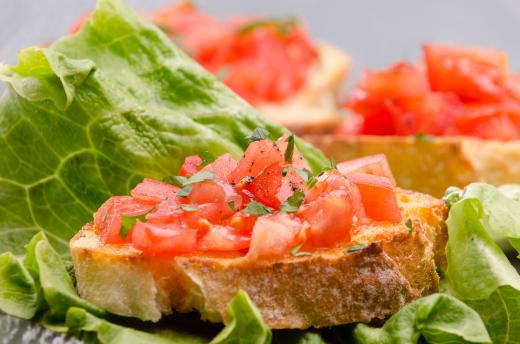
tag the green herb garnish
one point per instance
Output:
(285, 170)
(304, 173)
(231, 205)
(257, 209)
(421, 137)
(189, 208)
(409, 224)
(296, 251)
(127, 223)
(333, 164)
(181, 181)
(311, 182)
(185, 191)
(257, 135)
(355, 248)
(293, 203)
(289, 151)
(282, 25)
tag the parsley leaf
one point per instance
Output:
(198, 177)
(304, 173)
(231, 205)
(296, 251)
(311, 182)
(189, 208)
(185, 191)
(333, 164)
(257, 135)
(127, 223)
(256, 208)
(355, 248)
(289, 151)
(409, 224)
(293, 203)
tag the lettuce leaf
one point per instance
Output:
(478, 271)
(96, 112)
(438, 318)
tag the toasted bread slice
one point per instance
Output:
(395, 265)
(433, 164)
(314, 108)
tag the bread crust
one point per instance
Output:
(314, 109)
(331, 287)
(434, 164)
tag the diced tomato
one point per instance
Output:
(376, 164)
(430, 113)
(190, 166)
(265, 186)
(378, 197)
(274, 236)
(153, 191)
(165, 212)
(513, 86)
(163, 239)
(351, 125)
(330, 218)
(223, 238)
(244, 223)
(473, 74)
(291, 182)
(107, 218)
(257, 157)
(298, 160)
(213, 191)
(499, 121)
(222, 166)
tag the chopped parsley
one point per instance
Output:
(285, 170)
(189, 208)
(356, 248)
(257, 209)
(293, 203)
(311, 182)
(198, 177)
(304, 173)
(289, 151)
(421, 137)
(185, 191)
(257, 135)
(296, 251)
(333, 164)
(409, 224)
(231, 205)
(127, 223)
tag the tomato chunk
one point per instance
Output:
(258, 156)
(473, 74)
(222, 166)
(170, 238)
(330, 218)
(190, 166)
(153, 191)
(376, 164)
(274, 236)
(266, 185)
(378, 197)
(223, 238)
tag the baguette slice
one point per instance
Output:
(433, 164)
(314, 108)
(395, 266)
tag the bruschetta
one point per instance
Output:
(345, 246)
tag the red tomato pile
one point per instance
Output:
(261, 205)
(453, 91)
(263, 60)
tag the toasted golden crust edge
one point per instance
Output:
(434, 164)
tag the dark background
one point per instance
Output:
(375, 33)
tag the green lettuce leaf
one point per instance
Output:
(478, 271)
(438, 318)
(245, 323)
(96, 112)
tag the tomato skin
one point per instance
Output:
(378, 197)
(258, 156)
(266, 185)
(473, 74)
(223, 238)
(376, 164)
(274, 236)
(499, 121)
(153, 191)
(291, 182)
(222, 166)
(190, 166)
(108, 221)
(170, 239)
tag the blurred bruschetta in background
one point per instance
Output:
(452, 118)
